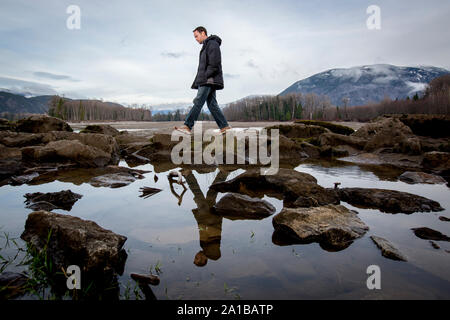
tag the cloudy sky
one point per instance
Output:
(145, 52)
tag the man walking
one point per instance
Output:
(209, 78)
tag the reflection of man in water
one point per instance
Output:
(209, 225)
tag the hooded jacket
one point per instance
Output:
(210, 64)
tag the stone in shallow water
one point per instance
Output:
(430, 234)
(434, 245)
(420, 177)
(52, 200)
(387, 249)
(74, 241)
(334, 227)
(389, 201)
(238, 206)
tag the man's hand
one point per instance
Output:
(210, 80)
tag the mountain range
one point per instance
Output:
(370, 83)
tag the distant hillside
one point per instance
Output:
(364, 84)
(15, 103)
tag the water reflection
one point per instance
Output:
(209, 224)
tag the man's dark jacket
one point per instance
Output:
(210, 64)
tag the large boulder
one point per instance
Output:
(389, 133)
(390, 201)
(286, 184)
(41, 123)
(20, 139)
(334, 227)
(236, 206)
(102, 142)
(73, 241)
(68, 150)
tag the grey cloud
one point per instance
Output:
(26, 87)
(174, 55)
(48, 75)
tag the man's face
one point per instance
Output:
(200, 36)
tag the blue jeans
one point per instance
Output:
(208, 94)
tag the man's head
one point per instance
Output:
(200, 34)
(200, 259)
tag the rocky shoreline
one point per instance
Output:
(42, 149)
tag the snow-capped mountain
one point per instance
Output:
(371, 83)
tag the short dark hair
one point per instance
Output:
(201, 29)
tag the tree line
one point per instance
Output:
(87, 110)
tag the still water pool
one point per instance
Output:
(166, 231)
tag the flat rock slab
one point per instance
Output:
(387, 249)
(236, 206)
(421, 177)
(430, 234)
(389, 201)
(74, 241)
(334, 227)
(52, 200)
